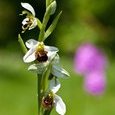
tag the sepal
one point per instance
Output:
(38, 68)
(60, 105)
(28, 7)
(54, 85)
(59, 72)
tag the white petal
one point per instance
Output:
(25, 21)
(60, 105)
(51, 55)
(56, 59)
(28, 7)
(29, 56)
(38, 68)
(34, 24)
(32, 68)
(58, 71)
(31, 43)
(51, 52)
(51, 48)
(54, 85)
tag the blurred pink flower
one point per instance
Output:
(95, 83)
(88, 58)
(90, 62)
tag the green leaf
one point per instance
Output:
(52, 26)
(20, 40)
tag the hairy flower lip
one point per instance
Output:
(41, 56)
(47, 101)
(32, 44)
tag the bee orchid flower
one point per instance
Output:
(52, 99)
(38, 51)
(30, 21)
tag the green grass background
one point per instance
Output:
(18, 89)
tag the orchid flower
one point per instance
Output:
(56, 69)
(38, 51)
(30, 21)
(52, 99)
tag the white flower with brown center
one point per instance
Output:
(38, 51)
(30, 21)
(53, 100)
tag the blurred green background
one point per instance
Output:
(81, 21)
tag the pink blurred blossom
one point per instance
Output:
(90, 62)
(88, 58)
(95, 83)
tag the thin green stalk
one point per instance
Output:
(42, 85)
(44, 23)
(39, 77)
(45, 76)
(47, 112)
(39, 24)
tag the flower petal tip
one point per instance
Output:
(60, 105)
(28, 7)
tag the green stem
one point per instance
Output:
(45, 76)
(44, 24)
(39, 93)
(47, 112)
(39, 24)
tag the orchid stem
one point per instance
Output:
(47, 112)
(39, 77)
(44, 23)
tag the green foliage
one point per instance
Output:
(18, 94)
(52, 26)
(86, 21)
